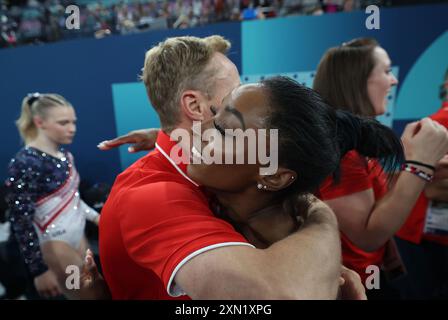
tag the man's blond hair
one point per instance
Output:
(176, 65)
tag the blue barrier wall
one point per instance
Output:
(100, 76)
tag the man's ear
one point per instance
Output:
(193, 104)
(282, 179)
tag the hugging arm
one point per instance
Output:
(304, 265)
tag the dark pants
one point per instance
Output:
(427, 266)
(387, 291)
(13, 273)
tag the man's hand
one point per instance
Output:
(141, 140)
(47, 285)
(318, 211)
(89, 271)
(441, 169)
(351, 286)
(92, 282)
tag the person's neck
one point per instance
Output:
(44, 144)
(244, 205)
(186, 126)
(260, 217)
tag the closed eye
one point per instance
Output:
(219, 128)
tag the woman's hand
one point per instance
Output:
(441, 172)
(143, 139)
(47, 285)
(425, 141)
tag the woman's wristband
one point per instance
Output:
(421, 164)
(416, 171)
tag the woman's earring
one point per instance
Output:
(265, 187)
(259, 186)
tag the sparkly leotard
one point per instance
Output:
(44, 203)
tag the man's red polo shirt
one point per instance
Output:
(154, 221)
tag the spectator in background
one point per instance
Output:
(31, 24)
(8, 36)
(44, 20)
(351, 5)
(196, 9)
(332, 6)
(357, 77)
(250, 10)
(312, 7)
(53, 10)
(307, 7)
(125, 19)
(183, 13)
(207, 12)
(423, 240)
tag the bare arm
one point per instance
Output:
(140, 140)
(95, 287)
(305, 265)
(369, 223)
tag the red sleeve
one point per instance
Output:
(165, 224)
(441, 117)
(354, 177)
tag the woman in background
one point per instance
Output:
(47, 214)
(357, 77)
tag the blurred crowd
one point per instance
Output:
(38, 21)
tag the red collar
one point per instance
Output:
(164, 145)
(164, 141)
(445, 104)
